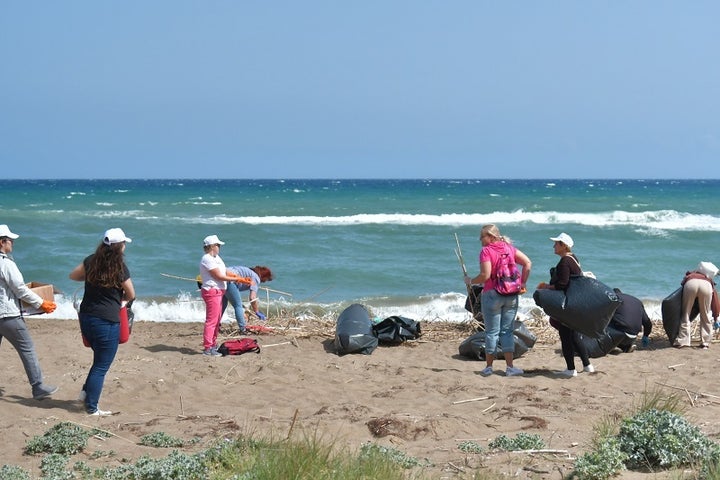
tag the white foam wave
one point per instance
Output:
(188, 308)
(660, 220)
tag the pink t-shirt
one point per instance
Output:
(490, 253)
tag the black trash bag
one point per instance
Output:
(522, 332)
(671, 308)
(474, 345)
(586, 307)
(473, 303)
(353, 332)
(602, 345)
(396, 329)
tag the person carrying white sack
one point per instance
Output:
(699, 285)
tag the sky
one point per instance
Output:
(368, 89)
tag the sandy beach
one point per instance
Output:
(420, 397)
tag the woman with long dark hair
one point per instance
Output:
(107, 288)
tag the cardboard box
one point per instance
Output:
(45, 290)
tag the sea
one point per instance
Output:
(398, 247)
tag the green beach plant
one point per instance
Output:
(522, 441)
(63, 438)
(161, 440)
(471, 447)
(662, 439)
(11, 472)
(656, 437)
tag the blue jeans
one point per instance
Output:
(104, 338)
(232, 295)
(499, 312)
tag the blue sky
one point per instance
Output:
(371, 89)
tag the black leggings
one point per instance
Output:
(571, 344)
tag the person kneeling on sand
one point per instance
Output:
(631, 319)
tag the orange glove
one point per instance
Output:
(48, 306)
(542, 285)
(239, 279)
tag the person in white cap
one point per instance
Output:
(213, 278)
(12, 325)
(698, 285)
(570, 341)
(107, 287)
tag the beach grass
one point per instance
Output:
(310, 457)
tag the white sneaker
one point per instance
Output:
(101, 413)
(567, 373)
(512, 371)
(589, 369)
(486, 372)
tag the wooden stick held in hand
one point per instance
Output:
(470, 292)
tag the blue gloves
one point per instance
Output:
(261, 316)
(716, 325)
(645, 342)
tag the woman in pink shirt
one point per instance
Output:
(499, 311)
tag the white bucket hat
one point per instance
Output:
(708, 269)
(212, 240)
(115, 235)
(5, 232)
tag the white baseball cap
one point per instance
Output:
(115, 235)
(564, 238)
(5, 232)
(212, 240)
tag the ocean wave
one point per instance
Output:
(189, 308)
(660, 220)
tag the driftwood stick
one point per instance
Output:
(105, 431)
(292, 424)
(488, 408)
(690, 391)
(544, 450)
(469, 400)
(471, 294)
(177, 277)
